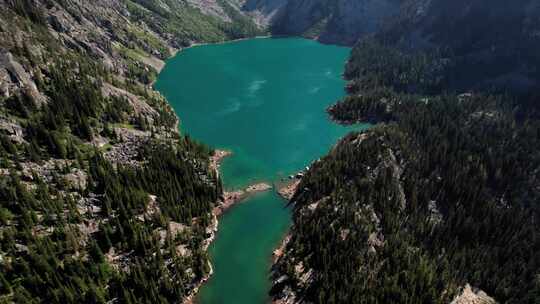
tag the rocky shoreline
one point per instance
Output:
(278, 252)
(217, 158)
(288, 190)
(227, 201)
(230, 199)
(211, 231)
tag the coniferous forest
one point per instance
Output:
(442, 191)
(101, 199)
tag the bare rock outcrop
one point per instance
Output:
(14, 77)
(473, 296)
(13, 129)
(139, 106)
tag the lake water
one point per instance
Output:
(265, 100)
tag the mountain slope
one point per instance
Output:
(342, 21)
(101, 199)
(458, 46)
(443, 192)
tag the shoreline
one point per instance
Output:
(280, 250)
(196, 44)
(217, 158)
(176, 51)
(288, 189)
(225, 203)
(231, 198)
(215, 163)
(277, 254)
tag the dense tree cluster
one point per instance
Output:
(77, 226)
(469, 211)
(174, 174)
(47, 258)
(444, 191)
(451, 46)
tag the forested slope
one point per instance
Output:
(333, 21)
(101, 199)
(444, 191)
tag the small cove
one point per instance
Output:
(265, 100)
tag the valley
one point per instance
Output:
(111, 112)
(272, 129)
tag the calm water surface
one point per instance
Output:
(265, 100)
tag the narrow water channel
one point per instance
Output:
(265, 100)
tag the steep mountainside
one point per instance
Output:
(101, 199)
(458, 45)
(444, 191)
(412, 23)
(265, 12)
(186, 21)
(331, 21)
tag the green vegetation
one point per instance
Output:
(453, 158)
(187, 24)
(99, 201)
(67, 266)
(444, 191)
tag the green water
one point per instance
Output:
(265, 100)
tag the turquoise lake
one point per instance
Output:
(265, 100)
